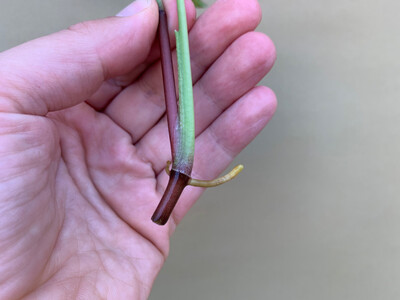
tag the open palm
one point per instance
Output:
(83, 144)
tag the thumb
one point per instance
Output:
(63, 69)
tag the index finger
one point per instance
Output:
(64, 69)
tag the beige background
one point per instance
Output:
(316, 213)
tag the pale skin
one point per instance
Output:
(83, 145)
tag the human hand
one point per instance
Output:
(83, 144)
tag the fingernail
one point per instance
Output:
(134, 8)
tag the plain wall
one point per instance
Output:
(316, 213)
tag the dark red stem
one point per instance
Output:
(168, 79)
(176, 184)
(177, 180)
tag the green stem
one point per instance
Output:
(183, 161)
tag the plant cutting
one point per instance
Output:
(180, 115)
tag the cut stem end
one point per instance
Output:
(176, 184)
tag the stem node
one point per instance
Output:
(211, 183)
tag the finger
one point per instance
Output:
(141, 105)
(237, 71)
(217, 146)
(64, 69)
(112, 87)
